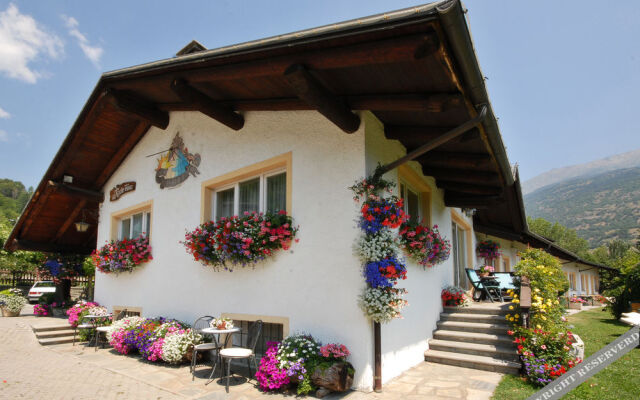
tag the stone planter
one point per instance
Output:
(575, 306)
(577, 347)
(7, 313)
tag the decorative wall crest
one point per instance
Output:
(121, 189)
(175, 166)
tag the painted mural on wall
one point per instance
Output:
(175, 166)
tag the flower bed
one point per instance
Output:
(240, 240)
(41, 310)
(122, 255)
(423, 244)
(298, 361)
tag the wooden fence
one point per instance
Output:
(15, 279)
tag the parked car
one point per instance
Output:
(39, 288)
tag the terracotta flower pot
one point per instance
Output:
(483, 275)
(575, 306)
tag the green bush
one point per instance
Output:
(47, 298)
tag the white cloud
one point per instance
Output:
(23, 41)
(4, 137)
(93, 53)
(4, 114)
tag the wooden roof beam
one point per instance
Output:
(463, 175)
(128, 102)
(416, 135)
(206, 105)
(74, 191)
(70, 220)
(469, 188)
(40, 200)
(462, 200)
(309, 89)
(51, 247)
(122, 152)
(459, 160)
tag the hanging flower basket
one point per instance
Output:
(240, 240)
(423, 244)
(122, 255)
(488, 249)
(379, 213)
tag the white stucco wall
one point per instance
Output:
(315, 285)
(580, 270)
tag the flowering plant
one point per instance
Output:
(424, 244)
(298, 354)
(383, 304)
(12, 302)
(375, 247)
(488, 249)
(240, 240)
(122, 255)
(486, 269)
(363, 188)
(453, 296)
(177, 344)
(334, 351)
(78, 311)
(41, 310)
(378, 213)
(221, 323)
(270, 376)
(546, 355)
(384, 273)
(575, 299)
(117, 334)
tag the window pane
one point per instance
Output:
(224, 203)
(147, 228)
(249, 196)
(276, 193)
(413, 206)
(136, 226)
(125, 228)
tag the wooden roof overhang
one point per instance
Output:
(414, 69)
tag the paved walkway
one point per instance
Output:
(31, 371)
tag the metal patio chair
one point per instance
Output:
(104, 329)
(198, 325)
(490, 289)
(238, 353)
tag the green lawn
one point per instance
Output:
(620, 380)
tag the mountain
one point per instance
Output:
(600, 207)
(625, 160)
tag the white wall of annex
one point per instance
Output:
(315, 285)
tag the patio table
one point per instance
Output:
(213, 332)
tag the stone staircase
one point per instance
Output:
(474, 337)
(53, 334)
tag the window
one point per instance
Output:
(261, 187)
(416, 195)
(266, 192)
(458, 249)
(506, 264)
(135, 225)
(132, 222)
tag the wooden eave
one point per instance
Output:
(399, 66)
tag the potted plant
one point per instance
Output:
(486, 270)
(453, 296)
(575, 303)
(11, 302)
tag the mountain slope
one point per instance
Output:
(599, 207)
(630, 159)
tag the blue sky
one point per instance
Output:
(563, 77)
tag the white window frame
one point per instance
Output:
(262, 197)
(404, 197)
(146, 221)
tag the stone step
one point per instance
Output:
(489, 350)
(56, 333)
(468, 317)
(473, 337)
(472, 361)
(56, 340)
(491, 308)
(48, 328)
(473, 327)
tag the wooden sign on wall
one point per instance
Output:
(121, 189)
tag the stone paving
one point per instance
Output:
(31, 371)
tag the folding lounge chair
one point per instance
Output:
(490, 290)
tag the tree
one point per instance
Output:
(562, 236)
(17, 261)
